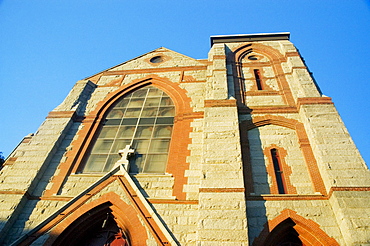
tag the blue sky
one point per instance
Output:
(46, 46)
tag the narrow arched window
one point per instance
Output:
(257, 76)
(278, 171)
(142, 119)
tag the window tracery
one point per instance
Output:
(142, 119)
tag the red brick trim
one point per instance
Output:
(189, 116)
(220, 190)
(13, 192)
(219, 103)
(286, 197)
(143, 211)
(154, 70)
(261, 92)
(95, 78)
(309, 231)
(127, 216)
(164, 201)
(61, 114)
(306, 149)
(313, 100)
(275, 60)
(64, 214)
(178, 152)
(292, 53)
(257, 65)
(27, 139)
(222, 57)
(332, 189)
(10, 161)
(192, 81)
(302, 67)
(286, 170)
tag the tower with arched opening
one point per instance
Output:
(240, 148)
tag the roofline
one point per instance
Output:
(249, 37)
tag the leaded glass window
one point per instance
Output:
(143, 119)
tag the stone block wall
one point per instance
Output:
(220, 188)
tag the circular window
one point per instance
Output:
(156, 59)
(253, 58)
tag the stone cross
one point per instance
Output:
(125, 154)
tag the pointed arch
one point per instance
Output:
(258, 121)
(273, 54)
(308, 231)
(184, 115)
(275, 59)
(124, 215)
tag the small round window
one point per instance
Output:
(156, 59)
(253, 58)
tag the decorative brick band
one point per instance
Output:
(192, 81)
(60, 114)
(10, 161)
(269, 110)
(332, 189)
(166, 201)
(259, 64)
(154, 70)
(286, 197)
(313, 100)
(194, 115)
(223, 57)
(221, 190)
(13, 192)
(262, 93)
(292, 53)
(219, 103)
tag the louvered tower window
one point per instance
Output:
(143, 119)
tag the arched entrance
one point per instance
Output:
(97, 227)
(284, 235)
(291, 229)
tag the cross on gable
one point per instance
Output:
(127, 152)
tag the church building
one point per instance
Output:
(241, 148)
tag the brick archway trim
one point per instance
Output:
(287, 171)
(304, 143)
(309, 231)
(177, 154)
(275, 60)
(134, 215)
(125, 216)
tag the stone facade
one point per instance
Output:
(258, 156)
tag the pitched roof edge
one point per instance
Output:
(155, 50)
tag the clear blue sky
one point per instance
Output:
(46, 46)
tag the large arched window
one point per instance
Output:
(142, 119)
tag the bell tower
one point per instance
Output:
(297, 154)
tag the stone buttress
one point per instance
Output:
(241, 148)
